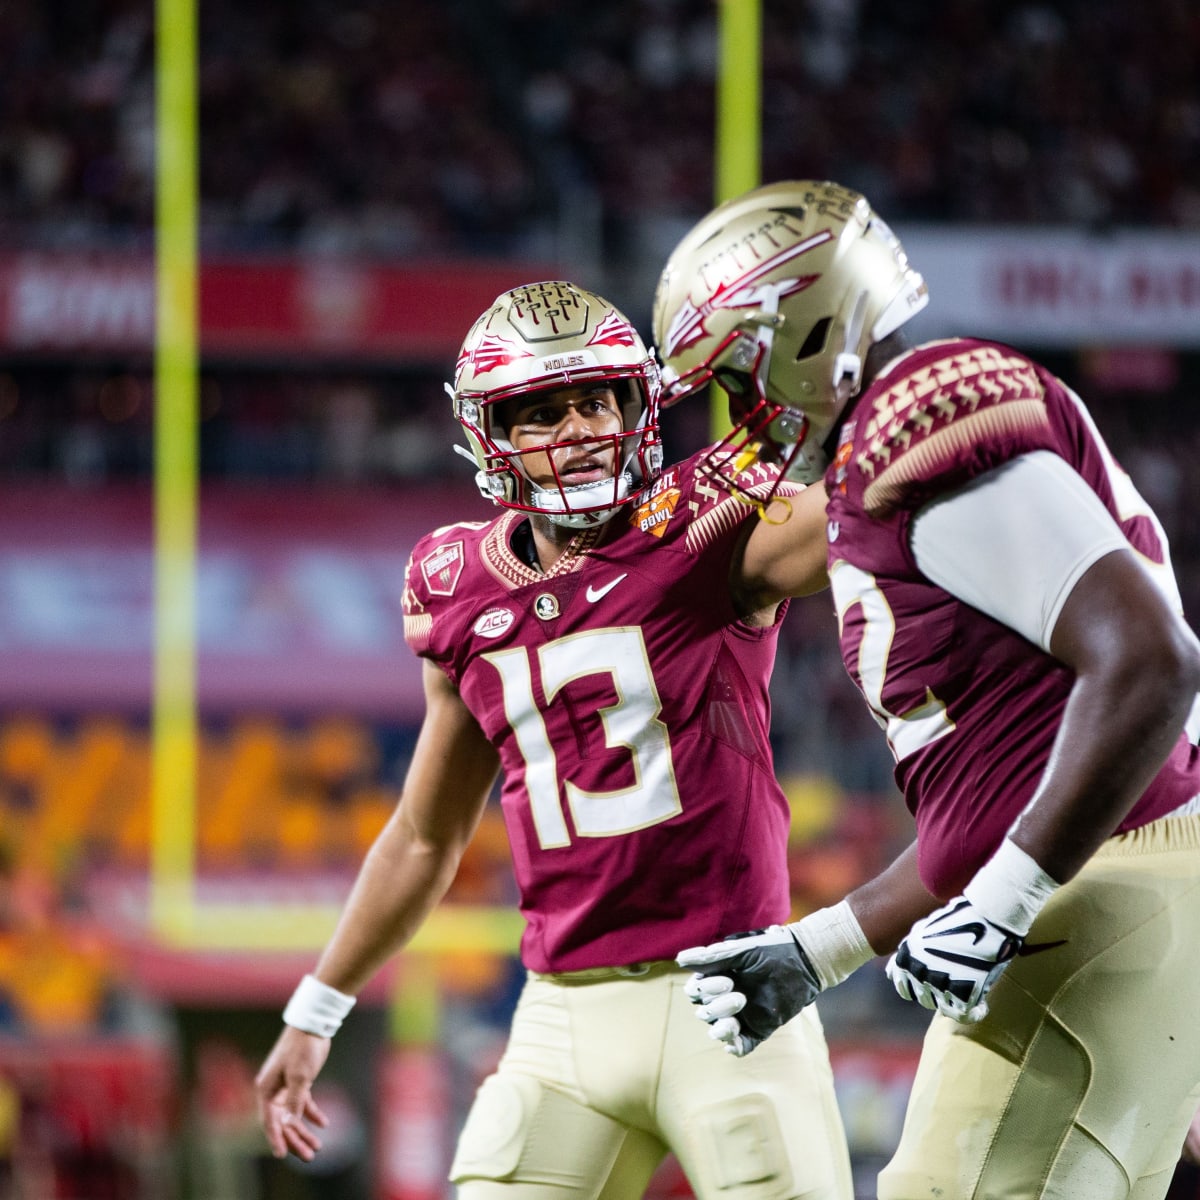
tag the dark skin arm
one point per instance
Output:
(784, 555)
(1137, 671)
(889, 905)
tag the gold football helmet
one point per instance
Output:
(552, 335)
(778, 295)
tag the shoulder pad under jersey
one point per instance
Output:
(953, 411)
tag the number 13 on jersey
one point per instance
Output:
(631, 724)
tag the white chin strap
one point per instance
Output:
(560, 507)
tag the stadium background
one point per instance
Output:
(370, 176)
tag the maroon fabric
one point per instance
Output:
(648, 689)
(946, 413)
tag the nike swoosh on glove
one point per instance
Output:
(750, 984)
(950, 959)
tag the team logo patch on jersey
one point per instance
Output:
(493, 623)
(546, 606)
(652, 515)
(442, 569)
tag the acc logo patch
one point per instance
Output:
(442, 568)
(652, 515)
(493, 623)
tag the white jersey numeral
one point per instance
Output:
(632, 724)
(906, 732)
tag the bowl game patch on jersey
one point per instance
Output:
(652, 515)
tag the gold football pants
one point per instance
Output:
(1080, 1082)
(606, 1071)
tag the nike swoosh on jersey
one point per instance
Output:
(598, 593)
(1037, 947)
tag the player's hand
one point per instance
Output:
(750, 984)
(284, 1091)
(950, 959)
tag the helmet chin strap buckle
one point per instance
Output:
(555, 503)
(847, 369)
(847, 366)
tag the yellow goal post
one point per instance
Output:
(176, 915)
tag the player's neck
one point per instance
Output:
(878, 358)
(550, 541)
(881, 354)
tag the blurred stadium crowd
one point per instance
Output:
(516, 115)
(509, 130)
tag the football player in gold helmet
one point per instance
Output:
(780, 295)
(531, 344)
(603, 643)
(1007, 607)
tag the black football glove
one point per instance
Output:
(750, 984)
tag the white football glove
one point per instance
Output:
(950, 959)
(750, 984)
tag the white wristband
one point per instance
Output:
(834, 942)
(317, 1008)
(1010, 889)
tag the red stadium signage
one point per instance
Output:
(303, 309)
(1061, 287)
(1030, 286)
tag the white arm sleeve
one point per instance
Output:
(1014, 542)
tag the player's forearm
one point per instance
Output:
(1136, 672)
(1118, 729)
(401, 881)
(887, 906)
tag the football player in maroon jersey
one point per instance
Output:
(604, 644)
(1006, 604)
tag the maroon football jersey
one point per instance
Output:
(970, 707)
(629, 706)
